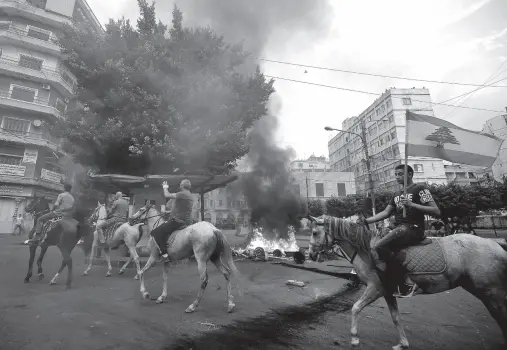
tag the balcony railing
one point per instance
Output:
(41, 101)
(48, 73)
(31, 137)
(12, 29)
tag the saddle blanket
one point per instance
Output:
(109, 231)
(47, 227)
(424, 259)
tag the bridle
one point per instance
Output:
(330, 245)
(144, 211)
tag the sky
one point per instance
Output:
(454, 40)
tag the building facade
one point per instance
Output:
(462, 174)
(313, 178)
(383, 125)
(35, 91)
(498, 127)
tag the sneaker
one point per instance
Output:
(406, 291)
(164, 257)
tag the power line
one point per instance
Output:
(372, 74)
(374, 93)
(471, 92)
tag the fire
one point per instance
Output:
(283, 245)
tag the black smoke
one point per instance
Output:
(271, 28)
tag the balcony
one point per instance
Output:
(43, 139)
(40, 105)
(34, 10)
(30, 39)
(36, 72)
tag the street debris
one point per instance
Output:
(295, 283)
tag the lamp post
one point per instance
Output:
(362, 136)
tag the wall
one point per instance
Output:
(62, 7)
(330, 181)
(498, 127)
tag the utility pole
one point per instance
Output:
(306, 177)
(368, 165)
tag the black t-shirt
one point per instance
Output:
(418, 194)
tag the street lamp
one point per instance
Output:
(362, 136)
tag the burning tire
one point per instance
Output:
(259, 253)
(299, 258)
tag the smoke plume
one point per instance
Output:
(274, 28)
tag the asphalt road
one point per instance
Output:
(109, 313)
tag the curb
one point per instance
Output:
(344, 275)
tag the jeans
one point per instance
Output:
(42, 219)
(386, 248)
(162, 233)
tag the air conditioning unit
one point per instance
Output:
(46, 86)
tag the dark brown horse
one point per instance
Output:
(63, 233)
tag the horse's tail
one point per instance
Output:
(223, 249)
(503, 244)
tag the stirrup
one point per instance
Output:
(410, 293)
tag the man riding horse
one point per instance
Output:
(37, 207)
(179, 217)
(118, 213)
(408, 230)
(64, 207)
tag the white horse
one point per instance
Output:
(202, 240)
(129, 237)
(476, 264)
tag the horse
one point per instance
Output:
(202, 240)
(121, 234)
(476, 264)
(63, 233)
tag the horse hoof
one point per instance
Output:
(41, 276)
(108, 274)
(190, 309)
(354, 342)
(120, 272)
(400, 347)
(84, 273)
(146, 296)
(230, 307)
(67, 287)
(160, 300)
(52, 283)
(27, 279)
(136, 277)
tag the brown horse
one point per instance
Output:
(63, 233)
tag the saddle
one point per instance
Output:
(109, 231)
(426, 258)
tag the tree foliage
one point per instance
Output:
(157, 100)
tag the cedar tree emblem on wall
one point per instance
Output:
(441, 136)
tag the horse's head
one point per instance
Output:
(319, 240)
(141, 214)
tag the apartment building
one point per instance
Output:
(35, 91)
(383, 125)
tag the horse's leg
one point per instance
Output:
(33, 250)
(392, 303)
(165, 273)
(134, 256)
(43, 249)
(124, 267)
(62, 266)
(496, 305)
(203, 272)
(146, 267)
(227, 274)
(372, 292)
(92, 253)
(108, 259)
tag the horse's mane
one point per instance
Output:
(357, 235)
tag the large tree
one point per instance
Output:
(160, 101)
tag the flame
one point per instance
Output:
(283, 245)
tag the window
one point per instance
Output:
(341, 190)
(471, 175)
(11, 160)
(300, 165)
(37, 3)
(220, 203)
(391, 118)
(406, 101)
(388, 104)
(418, 168)
(38, 33)
(16, 125)
(60, 106)
(319, 189)
(393, 134)
(30, 62)
(5, 25)
(23, 93)
(211, 203)
(55, 168)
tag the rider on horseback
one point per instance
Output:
(63, 207)
(118, 213)
(179, 217)
(408, 230)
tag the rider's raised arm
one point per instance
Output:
(58, 200)
(387, 212)
(167, 194)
